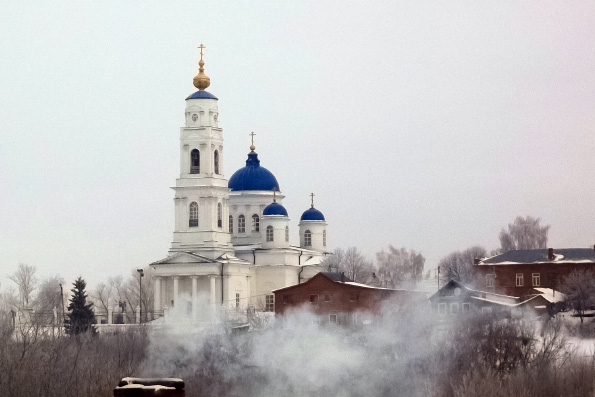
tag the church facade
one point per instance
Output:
(230, 245)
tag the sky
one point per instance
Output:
(427, 125)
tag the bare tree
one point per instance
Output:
(26, 282)
(400, 267)
(334, 262)
(355, 266)
(524, 234)
(48, 298)
(458, 265)
(579, 287)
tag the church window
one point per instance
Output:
(193, 219)
(237, 301)
(269, 303)
(241, 224)
(255, 223)
(269, 233)
(231, 224)
(307, 238)
(216, 157)
(324, 237)
(219, 216)
(195, 161)
(286, 234)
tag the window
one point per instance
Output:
(219, 216)
(216, 158)
(269, 233)
(327, 297)
(354, 296)
(241, 224)
(287, 299)
(307, 238)
(519, 279)
(442, 308)
(255, 223)
(270, 303)
(193, 220)
(536, 279)
(357, 318)
(231, 224)
(466, 307)
(332, 319)
(490, 280)
(237, 301)
(454, 308)
(324, 237)
(195, 161)
(286, 234)
(314, 299)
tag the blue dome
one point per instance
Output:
(312, 214)
(202, 95)
(253, 177)
(274, 209)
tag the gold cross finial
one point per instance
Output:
(312, 197)
(274, 195)
(201, 80)
(201, 47)
(252, 147)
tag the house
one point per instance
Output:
(518, 272)
(336, 299)
(455, 298)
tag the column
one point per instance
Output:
(194, 297)
(157, 295)
(176, 285)
(110, 314)
(213, 295)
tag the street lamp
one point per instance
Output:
(141, 273)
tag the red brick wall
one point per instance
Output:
(551, 275)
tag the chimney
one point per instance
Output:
(342, 277)
(476, 261)
(550, 254)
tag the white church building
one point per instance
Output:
(230, 245)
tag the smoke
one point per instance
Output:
(295, 355)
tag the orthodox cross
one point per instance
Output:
(312, 197)
(201, 47)
(252, 137)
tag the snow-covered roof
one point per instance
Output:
(561, 256)
(551, 295)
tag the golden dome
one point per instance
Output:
(201, 80)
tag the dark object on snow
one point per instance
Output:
(142, 387)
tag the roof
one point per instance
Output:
(176, 259)
(202, 95)
(253, 176)
(562, 255)
(336, 278)
(551, 295)
(274, 209)
(312, 214)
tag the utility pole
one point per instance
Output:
(141, 273)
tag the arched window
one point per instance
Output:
(286, 234)
(241, 224)
(193, 219)
(195, 161)
(219, 216)
(307, 238)
(255, 223)
(269, 235)
(231, 224)
(324, 237)
(216, 157)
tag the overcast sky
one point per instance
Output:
(429, 125)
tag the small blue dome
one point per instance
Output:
(202, 95)
(274, 209)
(312, 214)
(253, 177)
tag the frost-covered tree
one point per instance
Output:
(80, 314)
(351, 262)
(332, 263)
(458, 265)
(400, 267)
(26, 282)
(524, 234)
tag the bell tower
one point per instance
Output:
(201, 192)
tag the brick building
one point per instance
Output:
(516, 273)
(335, 299)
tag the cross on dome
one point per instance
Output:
(252, 147)
(312, 198)
(201, 80)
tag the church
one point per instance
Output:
(230, 243)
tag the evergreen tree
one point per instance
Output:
(80, 314)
